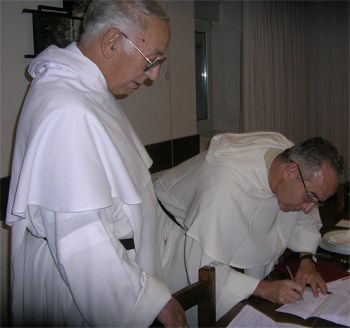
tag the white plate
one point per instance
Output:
(334, 249)
(337, 237)
(331, 241)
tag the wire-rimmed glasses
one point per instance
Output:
(151, 64)
(309, 197)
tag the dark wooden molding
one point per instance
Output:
(4, 192)
(170, 153)
(185, 148)
(161, 154)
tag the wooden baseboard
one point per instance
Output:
(170, 153)
(4, 192)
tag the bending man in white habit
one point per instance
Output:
(82, 205)
(240, 205)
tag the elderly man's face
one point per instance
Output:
(291, 194)
(127, 73)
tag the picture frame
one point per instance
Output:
(58, 26)
(76, 8)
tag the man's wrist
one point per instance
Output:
(309, 257)
(261, 289)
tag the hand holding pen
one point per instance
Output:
(292, 278)
(279, 291)
(308, 276)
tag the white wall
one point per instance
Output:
(224, 21)
(166, 110)
(16, 41)
(226, 57)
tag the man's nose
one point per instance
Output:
(308, 207)
(153, 73)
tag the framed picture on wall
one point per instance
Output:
(58, 26)
(54, 29)
(76, 8)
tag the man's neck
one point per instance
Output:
(275, 173)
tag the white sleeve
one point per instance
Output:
(231, 285)
(108, 288)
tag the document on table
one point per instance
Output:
(343, 223)
(249, 317)
(334, 307)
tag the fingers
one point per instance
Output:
(279, 291)
(172, 315)
(323, 287)
(303, 278)
(290, 297)
(312, 279)
(314, 288)
(293, 285)
(292, 292)
(286, 292)
(318, 285)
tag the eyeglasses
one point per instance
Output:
(310, 198)
(151, 64)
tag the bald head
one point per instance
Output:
(123, 38)
(102, 15)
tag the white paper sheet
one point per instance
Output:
(249, 317)
(343, 223)
(334, 307)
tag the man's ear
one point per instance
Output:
(109, 42)
(290, 171)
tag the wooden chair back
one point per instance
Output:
(201, 293)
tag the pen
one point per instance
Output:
(289, 272)
(292, 278)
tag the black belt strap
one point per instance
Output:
(128, 243)
(170, 215)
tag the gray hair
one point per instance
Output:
(310, 154)
(104, 14)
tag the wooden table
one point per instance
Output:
(331, 265)
(330, 270)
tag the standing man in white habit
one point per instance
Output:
(82, 206)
